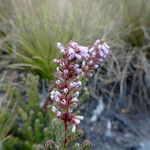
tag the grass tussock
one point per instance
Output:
(38, 25)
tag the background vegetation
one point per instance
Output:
(29, 31)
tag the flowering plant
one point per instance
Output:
(76, 62)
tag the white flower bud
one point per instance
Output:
(54, 109)
(73, 128)
(78, 71)
(76, 94)
(79, 117)
(70, 110)
(101, 53)
(76, 66)
(96, 66)
(62, 63)
(75, 84)
(58, 69)
(56, 60)
(63, 102)
(74, 99)
(82, 73)
(97, 41)
(75, 104)
(91, 62)
(78, 76)
(52, 92)
(84, 52)
(66, 90)
(58, 113)
(52, 97)
(57, 99)
(57, 93)
(94, 54)
(101, 59)
(100, 47)
(73, 44)
(91, 49)
(79, 83)
(60, 47)
(57, 82)
(65, 71)
(71, 51)
(78, 57)
(83, 64)
(59, 44)
(103, 50)
(71, 56)
(77, 121)
(86, 67)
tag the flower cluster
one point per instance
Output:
(76, 62)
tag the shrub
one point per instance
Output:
(34, 128)
(7, 110)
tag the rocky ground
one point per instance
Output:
(112, 130)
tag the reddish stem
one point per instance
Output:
(65, 133)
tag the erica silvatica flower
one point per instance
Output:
(76, 62)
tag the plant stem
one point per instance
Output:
(65, 134)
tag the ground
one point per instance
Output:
(128, 131)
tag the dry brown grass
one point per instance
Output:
(125, 76)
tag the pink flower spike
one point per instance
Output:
(76, 62)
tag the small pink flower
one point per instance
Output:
(60, 47)
(74, 100)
